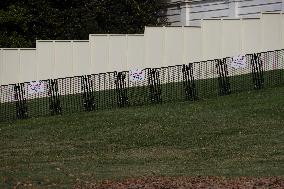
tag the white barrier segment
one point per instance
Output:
(135, 52)
(211, 38)
(154, 47)
(99, 53)
(174, 41)
(1, 66)
(63, 59)
(91, 44)
(11, 70)
(271, 31)
(117, 53)
(192, 45)
(159, 47)
(28, 66)
(45, 60)
(82, 58)
(251, 35)
(231, 37)
(282, 30)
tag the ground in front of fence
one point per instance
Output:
(236, 135)
(188, 183)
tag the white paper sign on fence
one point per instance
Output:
(36, 87)
(137, 75)
(239, 62)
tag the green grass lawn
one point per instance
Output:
(237, 135)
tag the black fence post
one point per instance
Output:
(189, 82)
(155, 85)
(54, 100)
(257, 71)
(21, 101)
(223, 77)
(121, 89)
(88, 93)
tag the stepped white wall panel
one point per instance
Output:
(211, 39)
(28, 67)
(45, 60)
(154, 47)
(117, 53)
(174, 47)
(271, 32)
(11, 66)
(1, 66)
(63, 59)
(81, 58)
(135, 52)
(158, 47)
(282, 31)
(251, 36)
(99, 53)
(231, 38)
(192, 44)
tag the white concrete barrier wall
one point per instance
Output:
(135, 52)
(1, 66)
(282, 31)
(251, 36)
(154, 47)
(192, 44)
(174, 48)
(61, 58)
(28, 67)
(158, 47)
(82, 58)
(99, 53)
(45, 60)
(117, 53)
(63, 66)
(231, 38)
(211, 39)
(271, 32)
(17, 65)
(11, 66)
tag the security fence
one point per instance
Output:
(191, 82)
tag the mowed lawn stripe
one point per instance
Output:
(236, 135)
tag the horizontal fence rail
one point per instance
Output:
(194, 81)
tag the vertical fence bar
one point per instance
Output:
(88, 93)
(155, 85)
(257, 71)
(223, 79)
(121, 89)
(189, 82)
(21, 101)
(54, 100)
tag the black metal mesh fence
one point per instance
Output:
(189, 82)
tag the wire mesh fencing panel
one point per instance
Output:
(190, 82)
(273, 68)
(8, 104)
(206, 79)
(240, 79)
(138, 90)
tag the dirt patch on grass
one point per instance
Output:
(187, 183)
